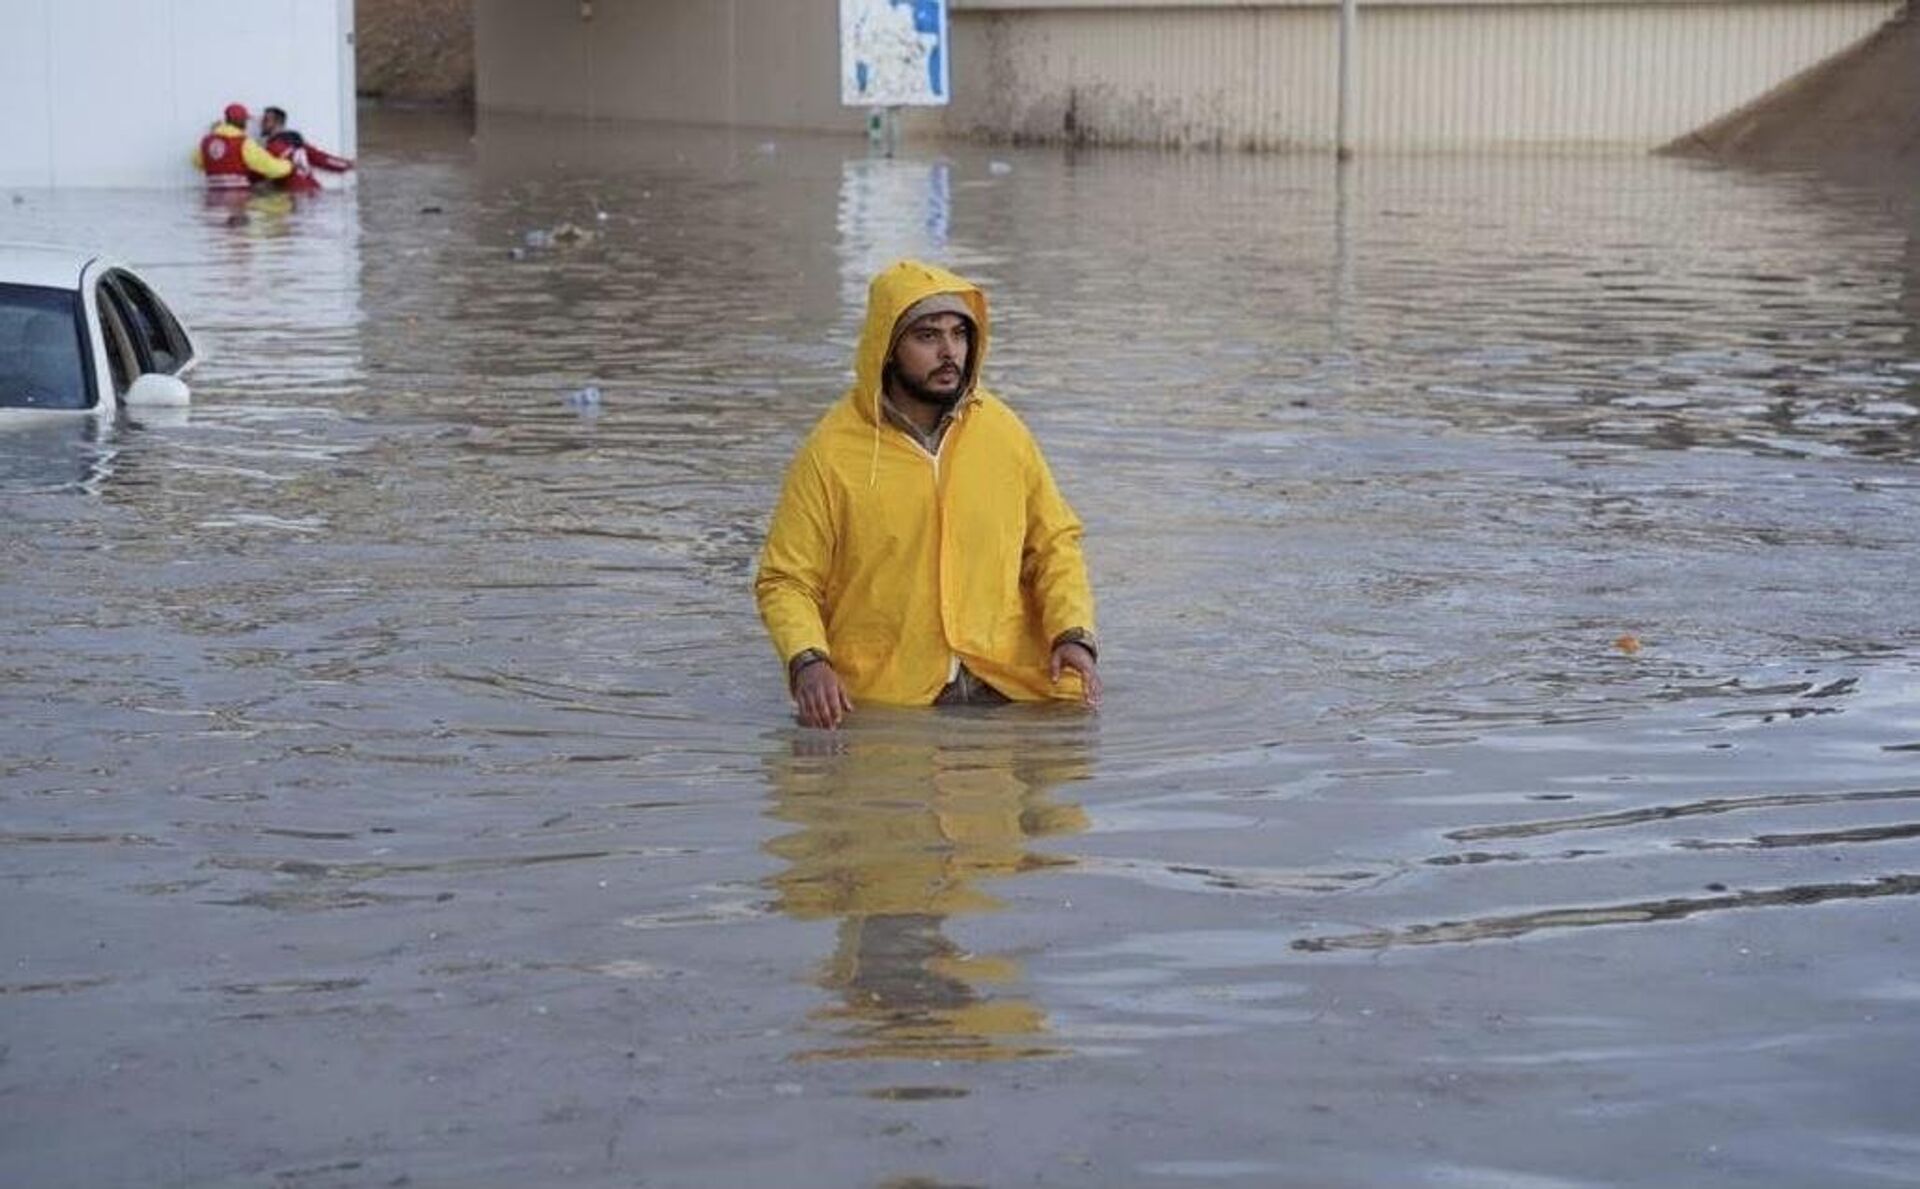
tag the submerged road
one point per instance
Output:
(1510, 766)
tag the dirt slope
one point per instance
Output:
(415, 51)
(1858, 112)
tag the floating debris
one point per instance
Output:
(561, 235)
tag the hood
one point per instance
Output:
(893, 289)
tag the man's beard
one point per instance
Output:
(920, 390)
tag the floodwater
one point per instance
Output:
(1509, 776)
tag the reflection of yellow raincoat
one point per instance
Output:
(892, 828)
(893, 561)
(892, 838)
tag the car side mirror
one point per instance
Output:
(157, 389)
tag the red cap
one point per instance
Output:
(237, 113)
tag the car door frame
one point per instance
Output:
(105, 398)
(102, 272)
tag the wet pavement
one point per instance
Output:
(1510, 771)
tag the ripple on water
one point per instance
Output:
(1378, 469)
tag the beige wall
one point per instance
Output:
(1430, 76)
(1433, 74)
(761, 63)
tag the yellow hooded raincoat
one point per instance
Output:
(894, 562)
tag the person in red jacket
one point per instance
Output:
(231, 159)
(291, 147)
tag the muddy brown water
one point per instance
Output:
(1510, 774)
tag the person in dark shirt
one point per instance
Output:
(288, 145)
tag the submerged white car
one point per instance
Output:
(82, 334)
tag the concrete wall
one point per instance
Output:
(1437, 75)
(1433, 74)
(759, 63)
(118, 92)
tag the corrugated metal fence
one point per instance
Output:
(1445, 74)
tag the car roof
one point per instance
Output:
(50, 265)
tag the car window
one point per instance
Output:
(43, 360)
(154, 356)
(111, 298)
(154, 323)
(122, 359)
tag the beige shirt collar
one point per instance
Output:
(929, 441)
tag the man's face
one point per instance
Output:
(270, 123)
(930, 360)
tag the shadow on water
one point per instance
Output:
(1661, 813)
(1496, 928)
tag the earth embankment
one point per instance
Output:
(1857, 113)
(415, 51)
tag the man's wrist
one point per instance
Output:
(1080, 636)
(801, 660)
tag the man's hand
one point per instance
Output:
(822, 700)
(1079, 658)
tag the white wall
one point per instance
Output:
(118, 92)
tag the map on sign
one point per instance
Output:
(893, 53)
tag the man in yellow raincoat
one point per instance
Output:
(921, 553)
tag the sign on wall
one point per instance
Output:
(893, 53)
